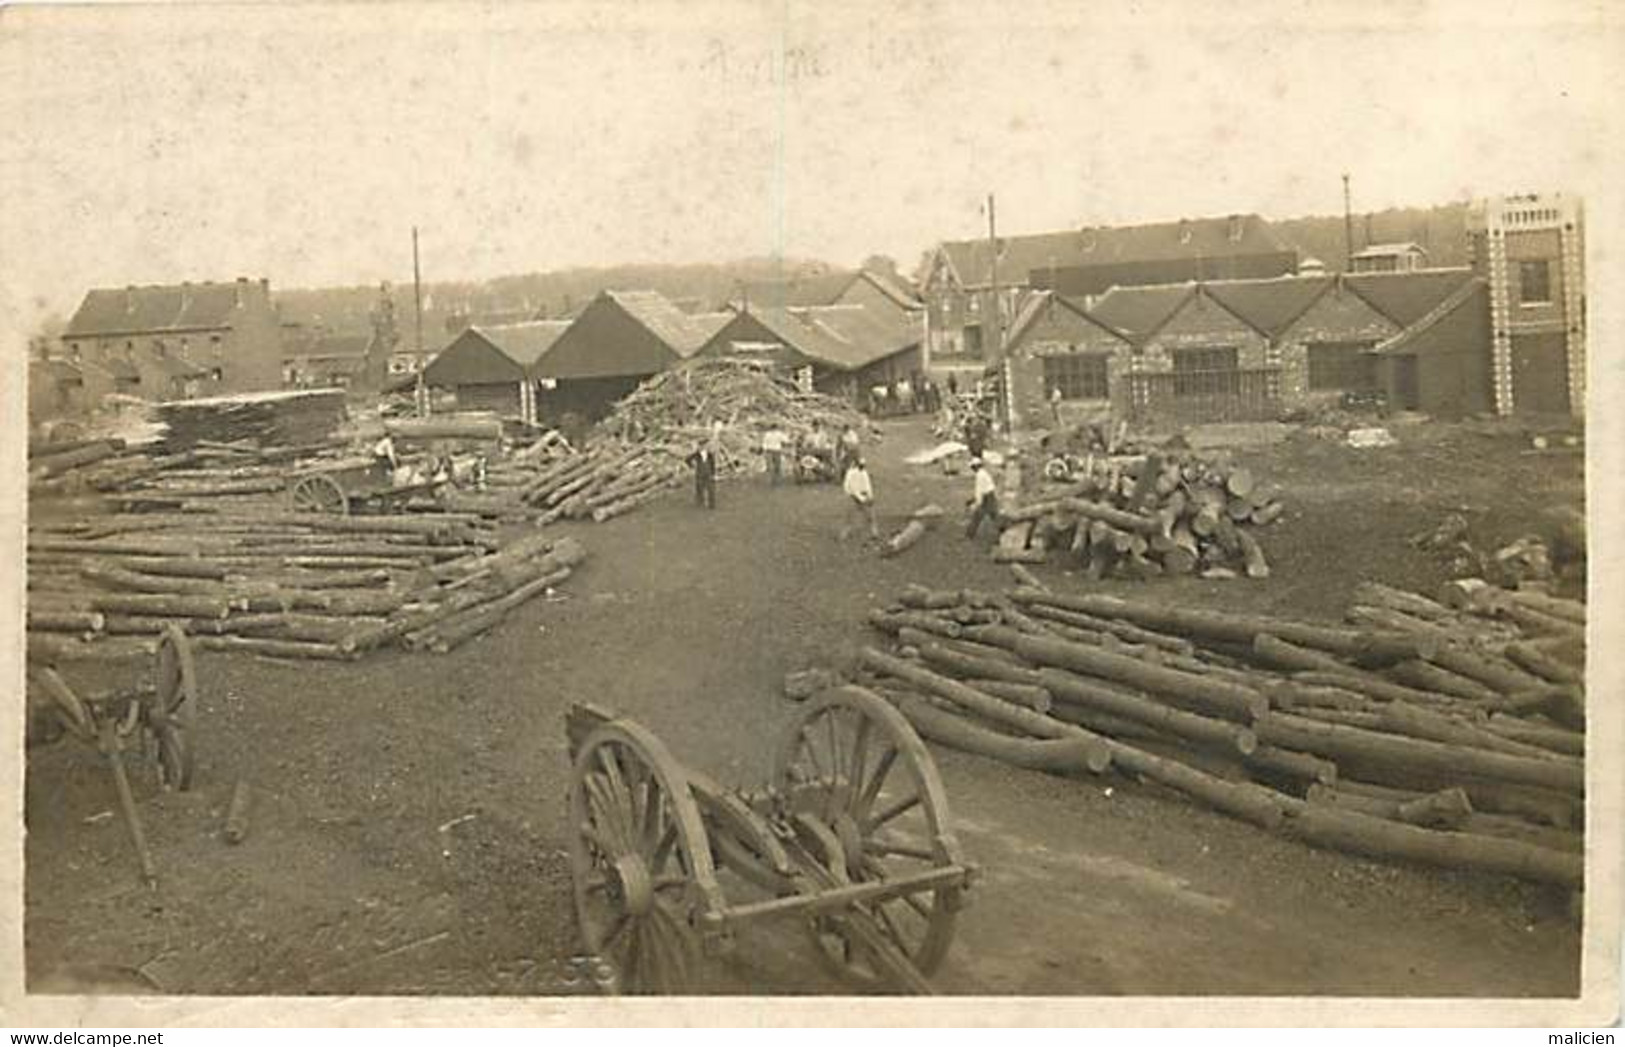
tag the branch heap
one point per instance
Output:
(1449, 735)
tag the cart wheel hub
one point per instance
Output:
(630, 881)
(851, 839)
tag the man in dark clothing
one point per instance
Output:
(704, 461)
(976, 435)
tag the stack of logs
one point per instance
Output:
(1141, 516)
(279, 584)
(1449, 736)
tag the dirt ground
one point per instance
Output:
(407, 832)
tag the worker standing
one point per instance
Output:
(984, 499)
(1055, 405)
(850, 447)
(704, 462)
(861, 493)
(773, 444)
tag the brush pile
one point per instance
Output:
(1445, 733)
(1142, 516)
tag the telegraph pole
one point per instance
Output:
(1348, 227)
(422, 394)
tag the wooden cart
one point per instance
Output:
(156, 716)
(851, 837)
(358, 486)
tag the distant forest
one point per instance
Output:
(1441, 231)
(695, 287)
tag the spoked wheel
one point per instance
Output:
(639, 858)
(172, 714)
(318, 494)
(853, 763)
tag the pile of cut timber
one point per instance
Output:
(1417, 732)
(272, 419)
(641, 450)
(1140, 516)
(734, 400)
(279, 584)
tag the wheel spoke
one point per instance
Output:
(902, 850)
(663, 849)
(889, 925)
(896, 810)
(872, 790)
(860, 753)
(812, 753)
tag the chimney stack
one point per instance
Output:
(129, 298)
(242, 283)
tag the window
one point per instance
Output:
(1078, 376)
(1534, 282)
(1342, 366)
(973, 341)
(1205, 371)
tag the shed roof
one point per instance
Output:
(675, 328)
(172, 307)
(1137, 312)
(1464, 309)
(1387, 250)
(843, 337)
(1218, 237)
(1033, 306)
(523, 343)
(1406, 297)
(1270, 305)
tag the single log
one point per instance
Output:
(1414, 604)
(892, 621)
(56, 649)
(1510, 828)
(47, 466)
(317, 628)
(1543, 665)
(45, 621)
(1539, 805)
(1493, 672)
(1253, 556)
(1363, 834)
(921, 597)
(1569, 610)
(1037, 604)
(1201, 693)
(1553, 739)
(272, 648)
(173, 566)
(1244, 800)
(1445, 809)
(1026, 695)
(1071, 754)
(1026, 578)
(1298, 767)
(1396, 718)
(986, 706)
(1563, 704)
(1241, 629)
(170, 606)
(1114, 727)
(1400, 622)
(133, 581)
(953, 661)
(1103, 697)
(444, 428)
(1339, 743)
(454, 632)
(1009, 556)
(1535, 621)
(1428, 677)
(905, 539)
(1375, 686)
(1118, 518)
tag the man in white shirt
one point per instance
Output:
(861, 493)
(984, 499)
(773, 443)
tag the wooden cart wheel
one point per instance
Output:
(639, 858)
(852, 762)
(172, 714)
(318, 494)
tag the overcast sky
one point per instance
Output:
(302, 142)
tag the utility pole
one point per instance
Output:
(1348, 227)
(422, 394)
(995, 343)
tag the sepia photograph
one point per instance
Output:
(754, 501)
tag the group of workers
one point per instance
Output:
(820, 451)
